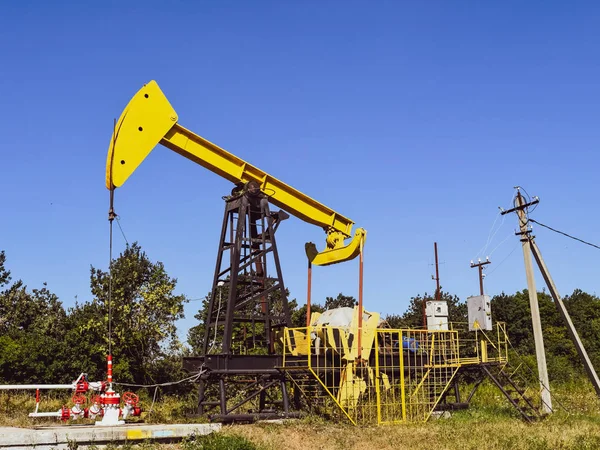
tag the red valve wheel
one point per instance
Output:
(79, 398)
(97, 399)
(130, 398)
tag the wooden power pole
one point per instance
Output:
(437, 273)
(480, 265)
(437, 289)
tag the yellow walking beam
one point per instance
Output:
(149, 119)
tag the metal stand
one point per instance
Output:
(246, 310)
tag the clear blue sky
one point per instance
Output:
(414, 119)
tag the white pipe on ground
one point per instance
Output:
(46, 414)
(37, 386)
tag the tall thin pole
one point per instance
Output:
(437, 272)
(587, 363)
(309, 288)
(533, 302)
(437, 289)
(480, 265)
(111, 216)
(360, 298)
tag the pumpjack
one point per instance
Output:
(254, 300)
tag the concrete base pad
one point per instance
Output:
(63, 437)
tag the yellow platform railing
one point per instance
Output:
(402, 374)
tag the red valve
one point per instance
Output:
(97, 399)
(65, 413)
(79, 398)
(130, 398)
(82, 386)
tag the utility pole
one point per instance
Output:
(309, 289)
(520, 208)
(437, 272)
(587, 364)
(437, 290)
(480, 266)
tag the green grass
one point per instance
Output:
(218, 441)
(490, 423)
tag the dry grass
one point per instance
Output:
(453, 433)
(489, 424)
(15, 407)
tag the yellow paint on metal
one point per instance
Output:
(138, 434)
(144, 121)
(386, 383)
(302, 344)
(408, 382)
(403, 389)
(313, 317)
(484, 357)
(421, 383)
(337, 254)
(439, 397)
(432, 349)
(149, 119)
(367, 332)
(351, 387)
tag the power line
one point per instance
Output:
(564, 234)
(505, 258)
(503, 241)
(491, 236)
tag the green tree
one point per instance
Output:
(394, 321)
(32, 330)
(251, 338)
(413, 317)
(562, 359)
(299, 314)
(584, 310)
(514, 310)
(195, 336)
(145, 310)
(341, 301)
(4, 273)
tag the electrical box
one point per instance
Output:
(437, 315)
(480, 312)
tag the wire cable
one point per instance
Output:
(216, 322)
(169, 383)
(505, 258)
(119, 223)
(511, 234)
(491, 236)
(494, 235)
(565, 234)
